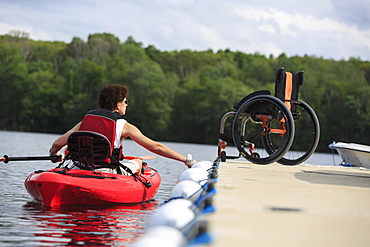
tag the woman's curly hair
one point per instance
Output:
(110, 95)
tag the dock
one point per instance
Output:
(304, 205)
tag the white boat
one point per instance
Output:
(353, 154)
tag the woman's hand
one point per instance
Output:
(189, 161)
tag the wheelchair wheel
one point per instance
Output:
(223, 156)
(262, 116)
(306, 136)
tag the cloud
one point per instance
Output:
(308, 32)
(6, 28)
(267, 28)
(325, 28)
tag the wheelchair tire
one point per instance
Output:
(306, 135)
(249, 130)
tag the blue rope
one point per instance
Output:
(332, 152)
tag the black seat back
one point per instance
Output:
(87, 149)
(287, 87)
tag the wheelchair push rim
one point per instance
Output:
(263, 129)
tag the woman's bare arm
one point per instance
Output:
(62, 140)
(135, 134)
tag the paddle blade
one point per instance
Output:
(145, 157)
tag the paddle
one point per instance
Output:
(6, 158)
(145, 157)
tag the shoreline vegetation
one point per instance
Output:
(177, 96)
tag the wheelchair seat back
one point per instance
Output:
(287, 87)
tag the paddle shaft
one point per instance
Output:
(6, 158)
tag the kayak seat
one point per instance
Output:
(88, 149)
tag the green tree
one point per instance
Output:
(13, 71)
(151, 98)
(200, 104)
(77, 50)
(101, 46)
(176, 95)
(42, 104)
(116, 69)
(91, 77)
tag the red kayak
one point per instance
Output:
(82, 187)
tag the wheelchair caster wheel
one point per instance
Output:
(256, 155)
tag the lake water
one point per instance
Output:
(24, 222)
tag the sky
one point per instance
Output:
(332, 29)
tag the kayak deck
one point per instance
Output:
(82, 187)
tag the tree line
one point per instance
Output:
(174, 95)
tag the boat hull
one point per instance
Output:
(80, 187)
(354, 154)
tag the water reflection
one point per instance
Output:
(92, 225)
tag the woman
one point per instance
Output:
(112, 101)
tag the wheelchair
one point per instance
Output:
(267, 129)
